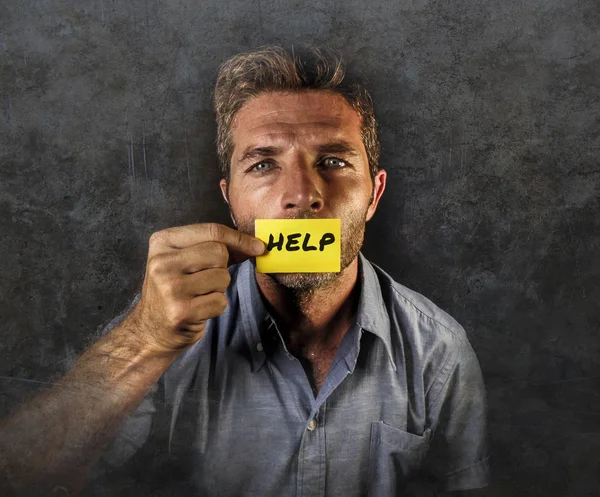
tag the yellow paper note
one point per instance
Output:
(299, 245)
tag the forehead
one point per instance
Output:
(307, 114)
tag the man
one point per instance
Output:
(342, 384)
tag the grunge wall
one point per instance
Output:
(489, 119)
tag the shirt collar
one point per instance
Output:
(372, 315)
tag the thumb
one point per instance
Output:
(256, 248)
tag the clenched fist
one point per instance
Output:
(185, 282)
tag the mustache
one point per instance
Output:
(303, 215)
(248, 227)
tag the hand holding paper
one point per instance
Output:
(299, 245)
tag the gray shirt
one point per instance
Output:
(235, 414)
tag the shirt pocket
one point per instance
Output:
(395, 456)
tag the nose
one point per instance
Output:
(302, 189)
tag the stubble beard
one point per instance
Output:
(352, 237)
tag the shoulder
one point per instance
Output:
(417, 311)
(425, 337)
(431, 344)
(425, 310)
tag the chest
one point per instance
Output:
(257, 422)
(316, 358)
(317, 366)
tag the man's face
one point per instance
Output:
(301, 156)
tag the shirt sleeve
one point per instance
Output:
(458, 454)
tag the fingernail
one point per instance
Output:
(258, 246)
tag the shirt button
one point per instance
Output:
(259, 347)
(312, 425)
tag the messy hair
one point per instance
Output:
(272, 68)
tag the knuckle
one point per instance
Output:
(214, 231)
(216, 250)
(220, 280)
(226, 277)
(160, 264)
(211, 306)
(221, 302)
(240, 238)
(156, 265)
(222, 250)
(176, 312)
(156, 237)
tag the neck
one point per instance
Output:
(314, 315)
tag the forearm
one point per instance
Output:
(56, 437)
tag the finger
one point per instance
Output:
(203, 256)
(237, 257)
(203, 283)
(206, 307)
(184, 236)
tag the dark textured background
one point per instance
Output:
(490, 133)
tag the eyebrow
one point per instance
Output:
(338, 147)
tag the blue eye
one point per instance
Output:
(334, 162)
(258, 169)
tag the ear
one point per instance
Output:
(223, 185)
(379, 183)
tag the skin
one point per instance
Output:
(299, 179)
